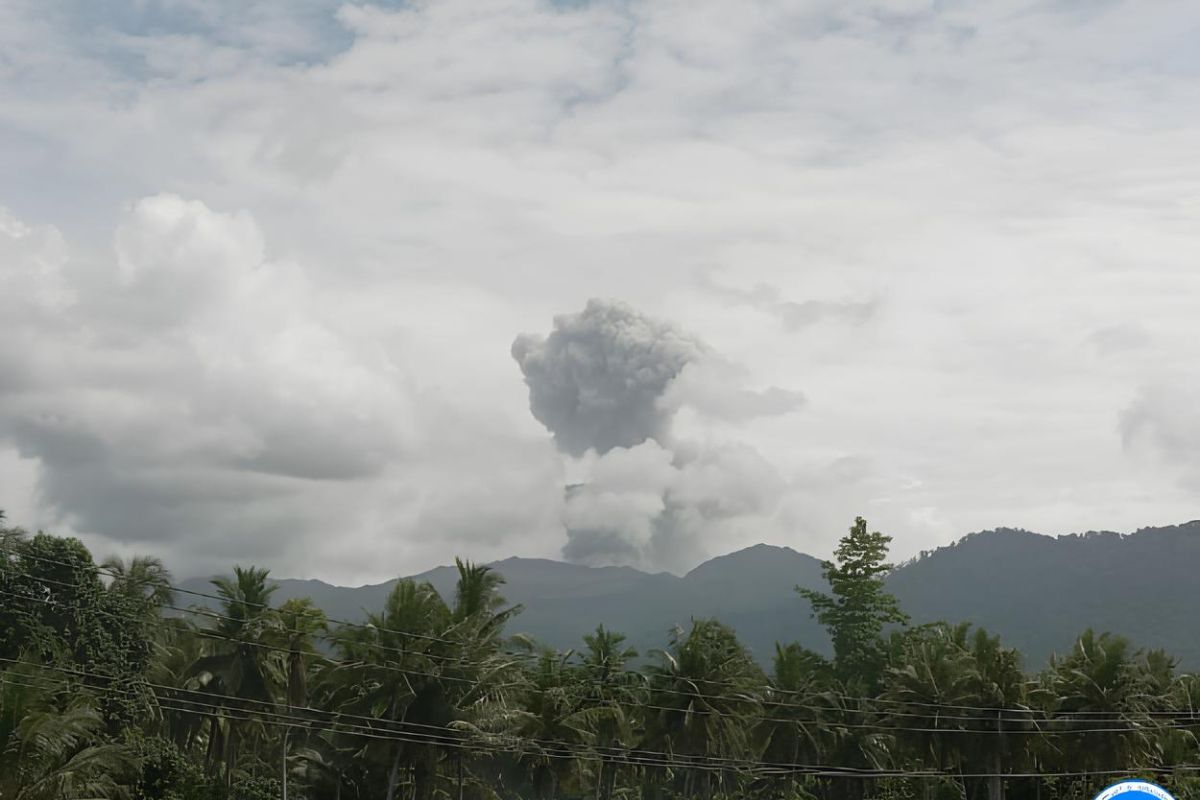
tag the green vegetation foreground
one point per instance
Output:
(109, 689)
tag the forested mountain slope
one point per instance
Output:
(1037, 591)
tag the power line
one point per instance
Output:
(1043, 715)
(1125, 727)
(406, 672)
(529, 656)
(809, 707)
(635, 757)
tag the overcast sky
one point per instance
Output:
(349, 289)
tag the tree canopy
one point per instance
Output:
(110, 690)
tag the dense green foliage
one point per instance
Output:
(1141, 586)
(858, 608)
(110, 689)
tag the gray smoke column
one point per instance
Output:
(607, 382)
(597, 379)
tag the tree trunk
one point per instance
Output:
(459, 768)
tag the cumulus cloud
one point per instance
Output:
(198, 363)
(32, 282)
(181, 255)
(607, 382)
(200, 390)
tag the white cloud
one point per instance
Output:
(204, 391)
(1163, 420)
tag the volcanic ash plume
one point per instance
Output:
(607, 383)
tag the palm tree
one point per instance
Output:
(548, 728)
(300, 622)
(958, 699)
(707, 693)
(793, 733)
(239, 662)
(1101, 677)
(178, 648)
(1178, 743)
(478, 605)
(52, 744)
(996, 681)
(478, 678)
(610, 692)
(393, 671)
(930, 673)
(64, 758)
(144, 577)
(852, 734)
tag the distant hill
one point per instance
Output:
(1037, 591)
(750, 589)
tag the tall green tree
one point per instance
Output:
(481, 681)
(50, 587)
(706, 697)
(53, 743)
(142, 577)
(300, 624)
(1104, 676)
(999, 688)
(858, 607)
(795, 731)
(958, 701)
(392, 669)
(240, 665)
(549, 728)
(611, 693)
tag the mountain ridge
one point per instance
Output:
(1037, 591)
